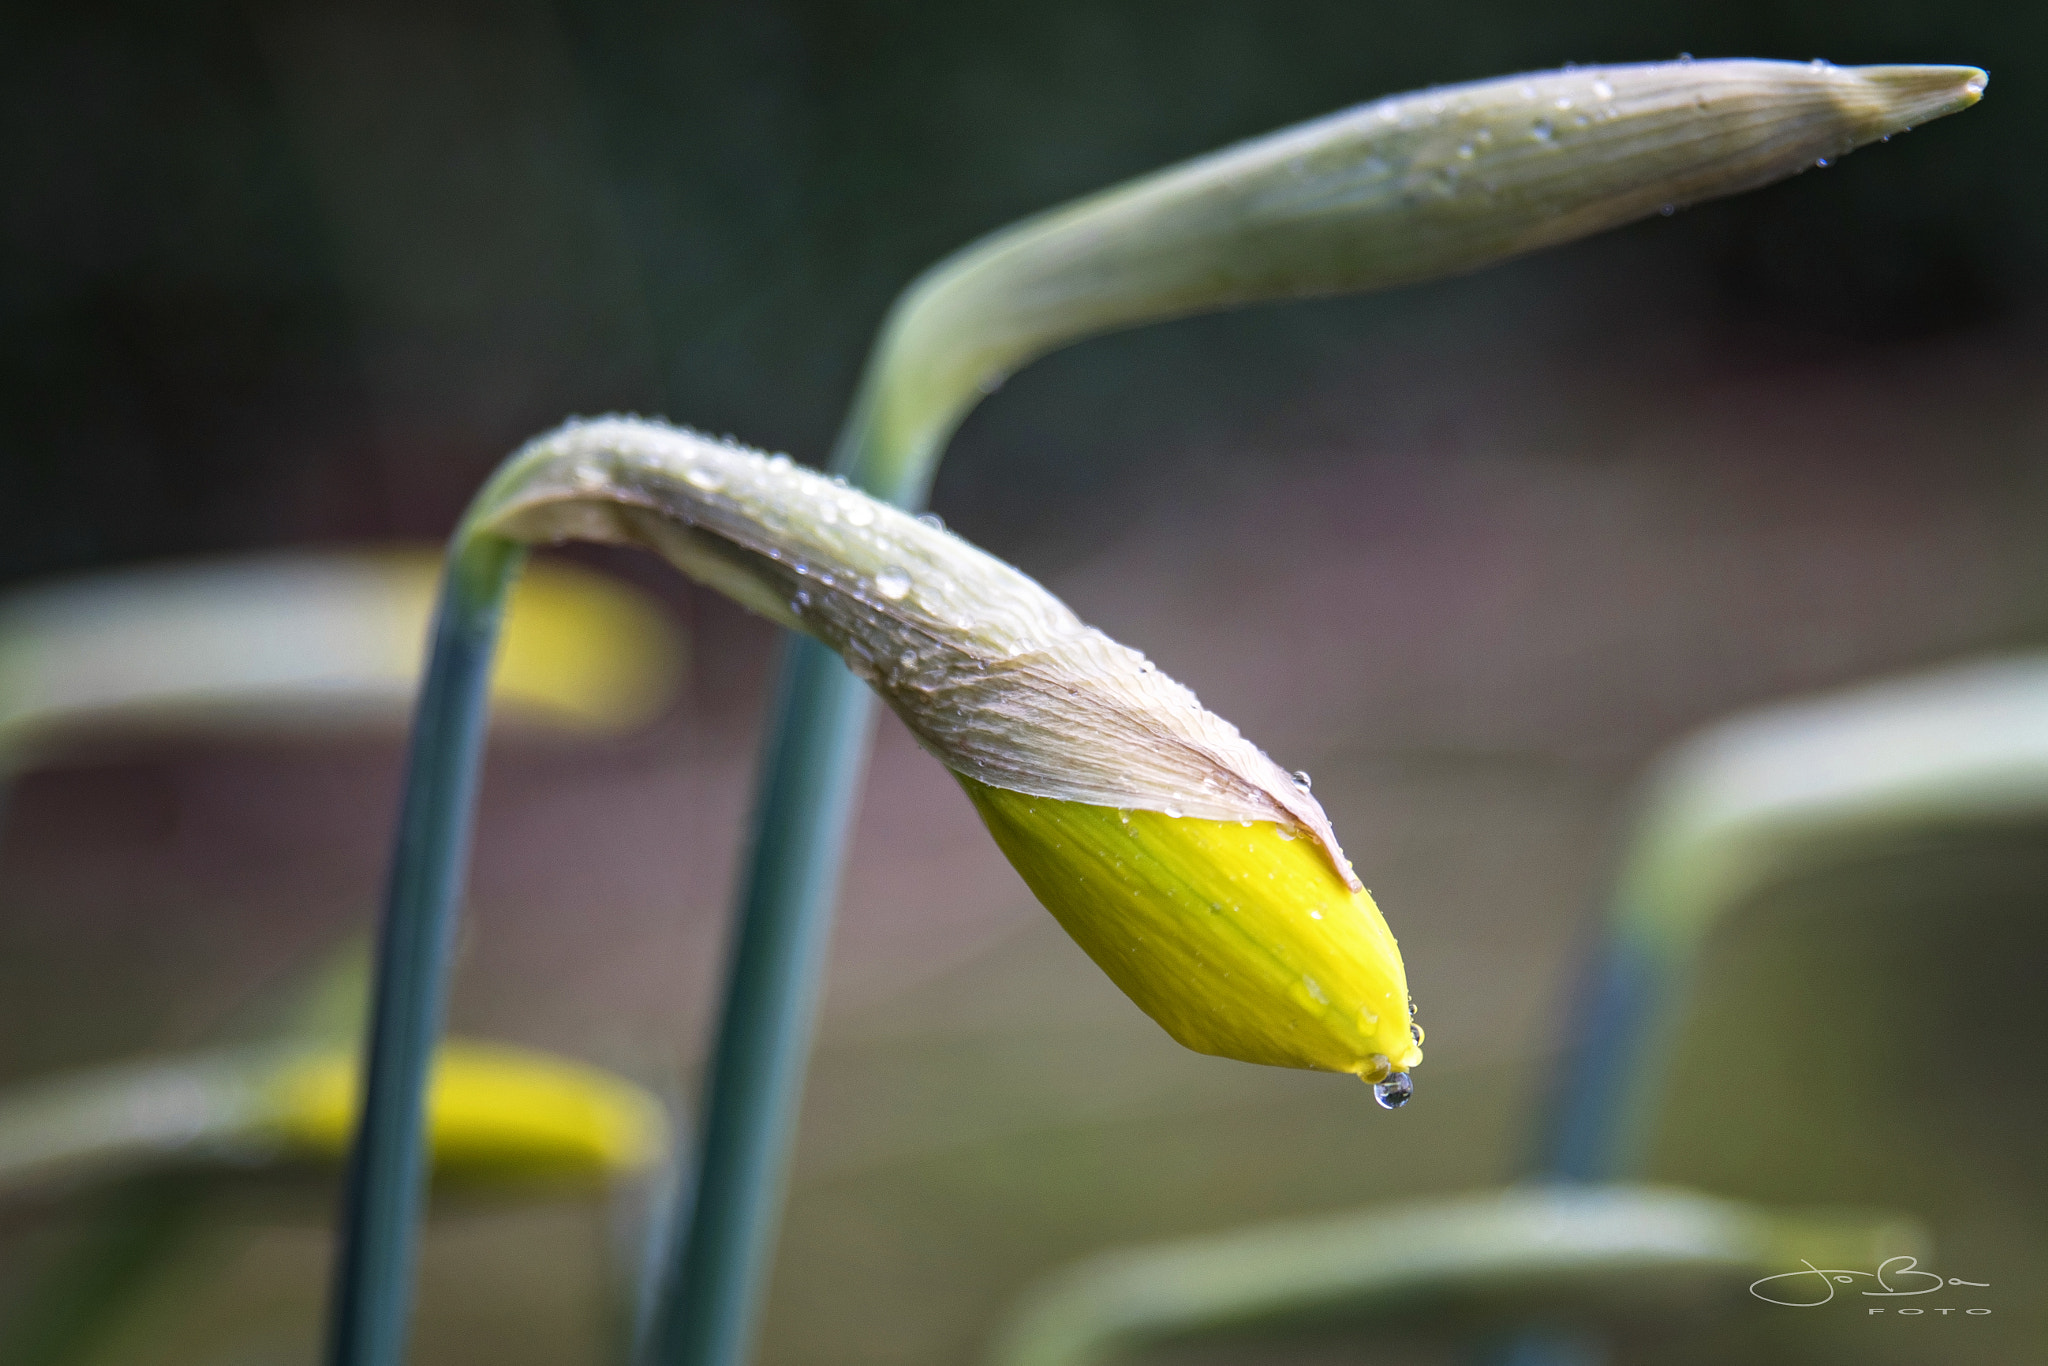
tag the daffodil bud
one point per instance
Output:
(1412, 187)
(1203, 878)
(494, 1113)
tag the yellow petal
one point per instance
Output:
(1239, 938)
(493, 1112)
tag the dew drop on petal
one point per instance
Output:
(1668, 210)
(1394, 1092)
(1302, 780)
(1603, 90)
(892, 583)
(1542, 130)
(703, 477)
(932, 520)
(1315, 991)
(859, 514)
(1415, 1031)
(1173, 811)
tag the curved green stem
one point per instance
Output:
(379, 1234)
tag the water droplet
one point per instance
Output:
(1668, 210)
(1602, 90)
(802, 600)
(1580, 120)
(892, 583)
(1821, 162)
(1528, 92)
(1285, 832)
(1394, 1092)
(1562, 102)
(827, 513)
(1685, 56)
(1465, 150)
(588, 476)
(1571, 66)
(990, 383)
(1315, 915)
(778, 462)
(1302, 780)
(859, 514)
(1315, 992)
(1415, 1031)
(1173, 811)
(1542, 131)
(932, 520)
(1819, 64)
(907, 660)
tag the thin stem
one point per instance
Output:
(373, 1277)
(727, 1217)
(1595, 1113)
(719, 1264)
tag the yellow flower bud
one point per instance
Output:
(493, 1112)
(1202, 877)
(1238, 937)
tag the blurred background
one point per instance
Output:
(286, 275)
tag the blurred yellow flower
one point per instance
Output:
(494, 1112)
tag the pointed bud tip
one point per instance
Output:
(1913, 95)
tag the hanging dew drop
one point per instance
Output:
(1394, 1092)
(1415, 1031)
(893, 584)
